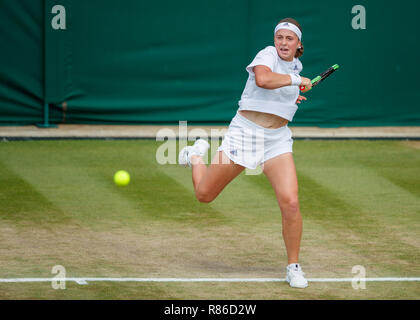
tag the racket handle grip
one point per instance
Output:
(302, 88)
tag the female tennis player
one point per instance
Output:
(259, 135)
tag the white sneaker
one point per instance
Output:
(295, 276)
(199, 148)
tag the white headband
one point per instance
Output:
(289, 26)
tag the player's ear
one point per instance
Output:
(299, 51)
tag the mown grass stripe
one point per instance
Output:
(57, 171)
(21, 202)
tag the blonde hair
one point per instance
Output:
(299, 51)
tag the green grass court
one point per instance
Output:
(360, 202)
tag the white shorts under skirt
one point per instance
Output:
(249, 144)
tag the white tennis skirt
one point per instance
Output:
(249, 144)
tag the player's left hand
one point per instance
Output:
(300, 98)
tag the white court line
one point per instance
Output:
(87, 279)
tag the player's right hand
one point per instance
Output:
(306, 83)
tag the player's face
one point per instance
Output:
(286, 43)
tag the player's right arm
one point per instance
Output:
(267, 79)
(307, 83)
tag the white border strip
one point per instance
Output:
(86, 280)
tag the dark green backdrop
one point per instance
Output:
(134, 61)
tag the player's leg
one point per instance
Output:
(281, 173)
(210, 181)
(199, 169)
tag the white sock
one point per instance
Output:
(293, 266)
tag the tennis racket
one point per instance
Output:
(322, 76)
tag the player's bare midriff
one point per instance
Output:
(266, 120)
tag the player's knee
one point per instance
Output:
(290, 206)
(204, 196)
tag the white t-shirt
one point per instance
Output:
(281, 101)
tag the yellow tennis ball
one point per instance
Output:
(121, 178)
